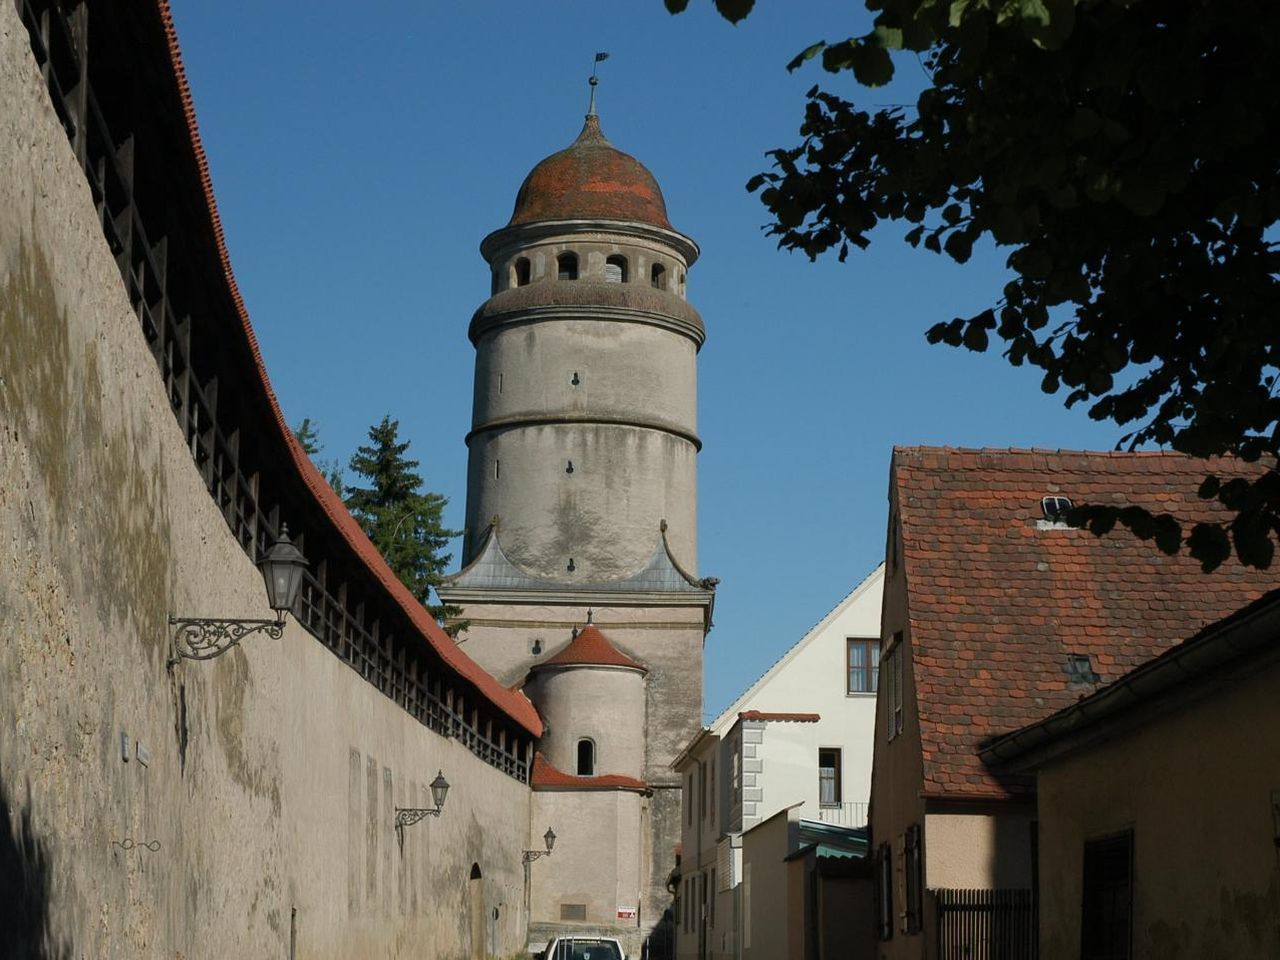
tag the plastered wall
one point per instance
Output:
(1197, 788)
(264, 811)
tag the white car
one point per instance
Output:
(584, 948)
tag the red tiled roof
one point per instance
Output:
(515, 705)
(547, 777)
(591, 179)
(786, 717)
(996, 603)
(590, 648)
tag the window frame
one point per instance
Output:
(522, 272)
(914, 893)
(836, 778)
(567, 259)
(658, 277)
(870, 669)
(578, 756)
(884, 891)
(1094, 890)
(624, 268)
(891, 669)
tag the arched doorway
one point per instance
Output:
(475, 909)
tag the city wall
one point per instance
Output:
(241, 807)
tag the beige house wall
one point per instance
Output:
(985, 850)
(766, 896)
(272, 772)
(1200, 789)
(897, 774)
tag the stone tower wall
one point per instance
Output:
(603, 704)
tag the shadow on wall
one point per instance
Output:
(25, 879)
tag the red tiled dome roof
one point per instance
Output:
(590, 180)
(590, 648)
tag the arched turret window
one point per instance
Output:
(615, 269)
(522, 272)
(658, 276)
(586, 758)
(567, 266)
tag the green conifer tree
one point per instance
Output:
(404, 521)
(307, 433)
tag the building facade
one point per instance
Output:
(997, 613)
(582, 524)
(799, 739)
(1158, 799)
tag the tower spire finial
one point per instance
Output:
(591, 107)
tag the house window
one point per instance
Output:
(915, 881)
(1106, 931)
(862, 662)
(893, 692)
(884, 891)
(689, 794)
(567, 266)
(711, 789)
(615, 270)
(702, 790)
(522, 272)
(829, 777)
(658, 276)
(737, 775)
(586, 758)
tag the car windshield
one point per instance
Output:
(585, 949)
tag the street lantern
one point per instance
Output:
(282, 569)
(439, 790)
(548, 838)
(203, 638)
(408, 816)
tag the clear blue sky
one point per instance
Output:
(361, 151)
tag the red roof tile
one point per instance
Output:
(590, 648)
(515, 705)
(785, 717)
(996, 603)
(547, 777)
(591, 179)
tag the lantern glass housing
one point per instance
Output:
(282, 569)
(549, 838)
(439, 790)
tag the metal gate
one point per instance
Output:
(986, 924)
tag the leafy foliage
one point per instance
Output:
(404, 522)
(1128, 152)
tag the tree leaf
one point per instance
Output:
(734, 10)
(808, 53)
(872, 65)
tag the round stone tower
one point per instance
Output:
(584, 427)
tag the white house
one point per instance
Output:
(800, 735)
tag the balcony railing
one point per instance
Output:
(851, 814)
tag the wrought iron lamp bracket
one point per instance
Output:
(408, 816)
(532, 855)
(196, 638)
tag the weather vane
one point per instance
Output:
(591, 108)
